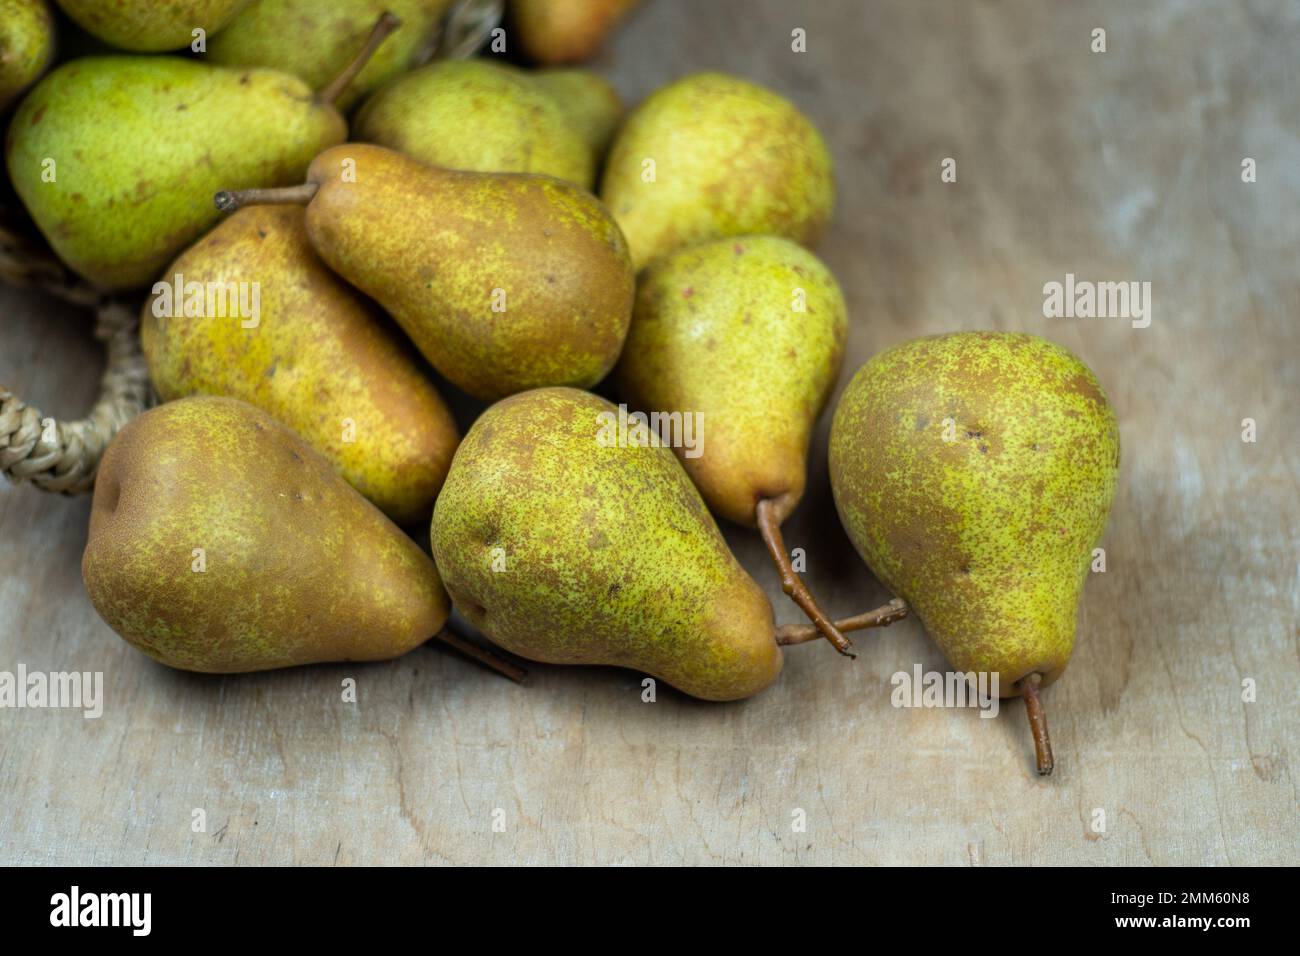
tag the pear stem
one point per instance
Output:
(482, 655)
(770, 528)
(882, 616)
(1037, 724)
(385, 25)
(228, 200)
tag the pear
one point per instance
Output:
(316, 354)
(592, 105)
(757, 310)
(565, 32)
(474, 115)
(221, 542)
(504, 281)
(26, 46)
(974, 472)
(149, 26)
(314, 40)
(712, 156)
(116, 157)
(565, 542)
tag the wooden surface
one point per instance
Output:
(1115, 167)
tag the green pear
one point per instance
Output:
(565, 542)
(221, 542)
(565, 31)
(504, 281)
(26, 46)
(974, 472)
(117, 157)
(314, 40)
(758, 310)
(477, 116)
(712, 156)
(589, 101)
(148, 26)
(315, 353)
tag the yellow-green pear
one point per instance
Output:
(117, 157)
(314, 40)
(569, 540)
(974, 472)
(504, 281)
(26, 46)
(589, 101)
(284, 333)
(222, 542)
(151, 26)
(745, 336)
(711, 156)
(477, 116)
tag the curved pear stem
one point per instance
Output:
(1037, 724)
(385, 25)
(770, 528)
(482, 655)
(228, 200)
(882, 616)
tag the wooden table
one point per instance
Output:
(1115, 166)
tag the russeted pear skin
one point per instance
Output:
(749, 332)
(26, 46)
(711, 156)
(320, 357)
(504, 281)
(566, 547)
(296, 567)
(974, 472)
(315, 40)
(147, 26)
(126, 198)
(477, 116)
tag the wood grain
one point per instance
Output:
(1115, 166)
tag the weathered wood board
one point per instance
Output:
(1117, 166)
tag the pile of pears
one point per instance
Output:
(326, 236)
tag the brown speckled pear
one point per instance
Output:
(296, 567)
(974, 472)
(711, 156)
(566, 545)
(749, 334)
(317, 355)
(504, 281)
